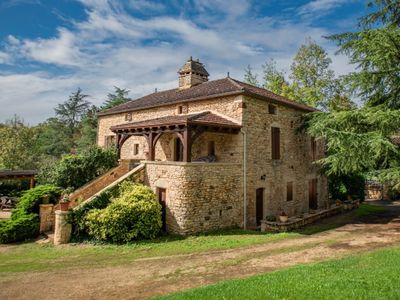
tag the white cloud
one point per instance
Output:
(4, 58)
(60, 50)
(320, 6)
(146, 6)
(114, 48)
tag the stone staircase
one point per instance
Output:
(98, 184)
(138, 171)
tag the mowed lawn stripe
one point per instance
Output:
(369, 276)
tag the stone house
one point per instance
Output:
(218, 153)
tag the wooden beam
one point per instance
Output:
(187, 145)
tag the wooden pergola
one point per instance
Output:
(19, 175)
(186, 127)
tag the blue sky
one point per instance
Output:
(50, 48)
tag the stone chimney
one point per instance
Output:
(192, 73)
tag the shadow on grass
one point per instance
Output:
(366, 213)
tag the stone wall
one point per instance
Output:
(294, 166)
(199, 196)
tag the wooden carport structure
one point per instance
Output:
(19, 175)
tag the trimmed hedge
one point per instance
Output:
(20, 229)
(135, 214)
(24, 222)
(30, 200)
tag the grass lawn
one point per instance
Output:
(370, 276)
(45, 257)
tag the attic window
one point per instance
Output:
(271, 109)
(128, 117)
(180, 109)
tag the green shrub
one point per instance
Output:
(20, 229)
(76, 170)
(99, 202)
(342, 186)
(30, 200)
(135, 214)
(24, 222)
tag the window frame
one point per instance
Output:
(275, 143)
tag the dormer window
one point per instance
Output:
(271, 109)
(128, 117)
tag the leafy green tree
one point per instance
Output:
(375, 52)
(311, 75)
(274, 80)
(340, 99)
(72, 110)
(250, 77)
(53, 139)
(359, 141)
(119, 96)
(88, 129)
(16, 147)
(76, 170)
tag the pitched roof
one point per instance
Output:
(206, 90)
(17, 173)
(206, 118)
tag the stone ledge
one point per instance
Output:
(296, 222)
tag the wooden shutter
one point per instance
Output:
(289, 191)
(313, 148)
(275, 143)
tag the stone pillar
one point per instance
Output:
(46, 214)
(63, 229)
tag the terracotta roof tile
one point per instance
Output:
(206, 90)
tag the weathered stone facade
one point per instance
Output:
(296, 163)
(198, 195)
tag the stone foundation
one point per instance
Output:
(199, 196)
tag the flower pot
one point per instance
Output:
(64, 206)
(283, 219)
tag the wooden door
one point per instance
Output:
(162, 198)
(259, 205)
(313, 194)
(178, 150)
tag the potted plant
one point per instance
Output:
(283, 217)
(270, 218)
(338, 202)
(64, 203)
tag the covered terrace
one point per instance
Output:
(186, 127)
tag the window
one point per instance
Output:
(180, 109)
(128, 117)
(289, 191)
(211, 148)
(313, 148)
(271, 109)
(135, 149)
(110, 141)
(275, 143)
